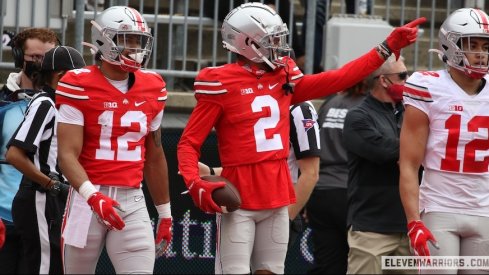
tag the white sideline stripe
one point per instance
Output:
(297, 76)
(71, 86)
(208, 83)
(72, 96)
(211, 92)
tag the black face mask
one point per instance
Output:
(31, 67)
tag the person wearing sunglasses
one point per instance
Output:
(445, 130)
(375, 217)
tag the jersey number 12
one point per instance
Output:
(470, 165)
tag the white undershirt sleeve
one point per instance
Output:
(70, 115)
(156, 122)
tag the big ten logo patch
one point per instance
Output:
(246, 91)
(456, 108)
(110, 105)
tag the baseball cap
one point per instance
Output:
(62, 58)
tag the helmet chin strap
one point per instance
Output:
(473, 73)
(129, 65)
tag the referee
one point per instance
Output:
(303, 161)
(38, 206)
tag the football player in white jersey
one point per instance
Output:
(445, 130)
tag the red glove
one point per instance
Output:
(103, 206)
(201, 192)
(2, 233)
(163, 236)
(419, 235)
(402, 36)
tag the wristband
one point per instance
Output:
(211, 170)
(383, 50)
(164, 210)
(86, 189)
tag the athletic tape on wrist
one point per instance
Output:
(164, 210)
(86, 189)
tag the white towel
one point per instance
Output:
(76, 230)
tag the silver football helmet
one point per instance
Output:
(257, 32)
(118, 29)
(463, 23)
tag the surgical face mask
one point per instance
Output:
(31, 67)
(395, 92)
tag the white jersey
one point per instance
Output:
(456, 161)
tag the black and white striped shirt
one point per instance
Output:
(36, 134)
(304, 135)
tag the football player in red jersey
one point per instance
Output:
(109, 137)
(247, 102)
(445, 129)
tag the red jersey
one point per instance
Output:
(115, 124)
(250, 112)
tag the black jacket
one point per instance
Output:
(371, 137)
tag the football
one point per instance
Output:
(227, 197)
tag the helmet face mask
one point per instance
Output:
(132, 49)
(256, 32)
(122, 37)
(455, 38)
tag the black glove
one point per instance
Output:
(58, 188)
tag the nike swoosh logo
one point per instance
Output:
(201, 190)
(272, 86)
(137, 104)
(136, 199)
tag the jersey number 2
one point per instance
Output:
(450, 162)
(262, 142)
(105, 151)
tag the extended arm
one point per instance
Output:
(332, 81)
